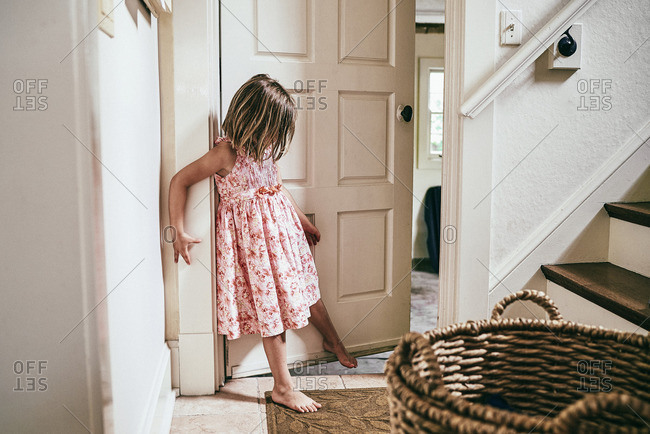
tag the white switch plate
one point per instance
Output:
(105, 17)
(511, 27)
(558, 61)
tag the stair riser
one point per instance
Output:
(629, 245)
(577, 309)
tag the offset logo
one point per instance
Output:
(594, 94)
(593, 375)
(310, 102)
(309, 377)
(30, 375)
(30, 94)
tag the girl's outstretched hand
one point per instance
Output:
(182, 246)
(312, 233)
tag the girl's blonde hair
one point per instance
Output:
(261, 114)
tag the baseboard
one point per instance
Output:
(555, 236)
(160, 410)
(173, 346)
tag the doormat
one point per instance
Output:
(343, 411)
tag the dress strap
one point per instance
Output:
(222, 139)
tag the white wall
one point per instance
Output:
(73, 298)
(129, 116)
(50, 260)
(582, 141)
(426, 45)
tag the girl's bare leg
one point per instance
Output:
(275, 348)
(331, 341)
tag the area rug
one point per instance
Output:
(343, 411)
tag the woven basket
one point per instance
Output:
(557, 376)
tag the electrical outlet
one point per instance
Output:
(511, 27)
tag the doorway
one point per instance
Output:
(365, 174)
(427, 168)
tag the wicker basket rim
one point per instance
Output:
(564, 328)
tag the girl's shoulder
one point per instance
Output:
(223, 144)
(223, 155)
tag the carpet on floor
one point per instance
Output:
(342, 411)
(424, 301)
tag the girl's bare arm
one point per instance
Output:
(218, 159)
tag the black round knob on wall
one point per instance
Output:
(567, 46)
(405, 113)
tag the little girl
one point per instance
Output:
(266, 277)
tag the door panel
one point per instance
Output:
(368, 22)
(349, 64)
(373, 255)
(365, 137)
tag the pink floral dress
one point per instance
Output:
(266, 277)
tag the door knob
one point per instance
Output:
(405, 113)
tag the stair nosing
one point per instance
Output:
(618, 211)
(639, 318)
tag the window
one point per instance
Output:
(431, 92)
(436, 92)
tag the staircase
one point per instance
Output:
(613, 294)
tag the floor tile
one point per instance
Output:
(363, 380)
(264, 429)
(238, 396)
(221, 423)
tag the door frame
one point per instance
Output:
(466, 165)
(189, 86)
(450, 207)
(214, 119)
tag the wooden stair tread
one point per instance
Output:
(633, 212)
(614, 288)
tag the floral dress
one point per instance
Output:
(266, 277)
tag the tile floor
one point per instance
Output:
(239, 405)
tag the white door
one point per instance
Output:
(350, 65)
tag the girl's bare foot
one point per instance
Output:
(341, 353)
(294, 399)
